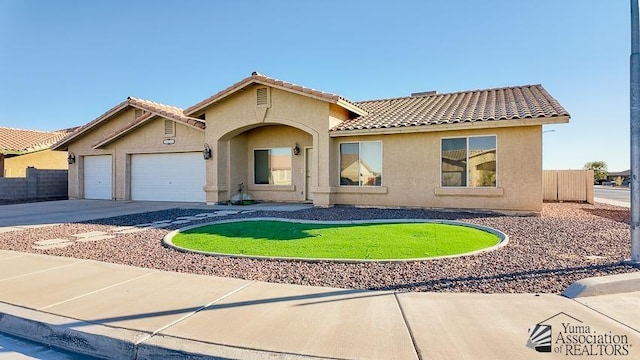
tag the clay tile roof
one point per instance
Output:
(510, 103)
(153, 108)
(257, 78)
(19, 141)
(167, 111)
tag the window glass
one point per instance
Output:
(482, 161)
(349, 164)
(261, 166)
(371, 164)
(361, 164)
(469, 161)
(272, 166)
(454, 162)
(280, 159)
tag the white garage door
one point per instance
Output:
(97, 177)
(168, 177)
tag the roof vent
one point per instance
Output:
(424, 93)
(169, 128)
(262, 96)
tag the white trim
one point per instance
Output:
(359, 146)
(467, 162)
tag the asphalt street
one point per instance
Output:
(612, 193)
(13, 348)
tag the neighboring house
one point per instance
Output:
(620, 178)
(20, 149)
(477, 149)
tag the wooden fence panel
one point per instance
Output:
(550, 185)
(568, 185)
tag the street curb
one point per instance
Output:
(95, 340)
(603, 285)
(106, 342)
(170, 347)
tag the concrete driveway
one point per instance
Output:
(16, 216)
(65, 211)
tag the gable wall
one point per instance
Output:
(290, 118)
(148, 138)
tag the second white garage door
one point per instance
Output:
(168, 177)
(97, 177)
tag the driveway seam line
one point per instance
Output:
(42, 271)
(406, 324)
(95, 291)
(186, 316)
(607, 316)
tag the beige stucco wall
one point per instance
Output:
(411, 172)
(272, 137)
(146, 139)
(46, 159)
(411, 161)
(297, 118)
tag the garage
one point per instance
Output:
(168, 177)
(98, 177)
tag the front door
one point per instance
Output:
(308, 170)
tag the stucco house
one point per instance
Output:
(21, 148)
(478, 149)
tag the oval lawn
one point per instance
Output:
(363, 241)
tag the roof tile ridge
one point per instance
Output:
(155, 103)
(297, 87)
(451, 93)
(31, 130)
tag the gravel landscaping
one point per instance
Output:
(545, 254)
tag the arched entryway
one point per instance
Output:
(264, 162)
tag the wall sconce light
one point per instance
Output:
(71, 159)
(206, 153)
(296, 150)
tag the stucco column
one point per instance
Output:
(322, 192)
(216, 189)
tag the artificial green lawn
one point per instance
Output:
(356, 241)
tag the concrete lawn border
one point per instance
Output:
(503, 239)
(604, 285)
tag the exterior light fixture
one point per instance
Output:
(71, 159)
(296, 150)
(206, 153)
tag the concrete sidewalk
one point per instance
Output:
(123, 312)
(612, 202)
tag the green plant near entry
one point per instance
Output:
(372, 241)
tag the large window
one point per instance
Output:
(469, 161)
(361, 163)
(272, 166)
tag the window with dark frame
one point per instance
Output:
(272, 166)
(361, 163)
(469, 162)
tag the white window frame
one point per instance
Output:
(270, 169)
(359, 152)
(467, 144)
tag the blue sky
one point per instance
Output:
(63, 63)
